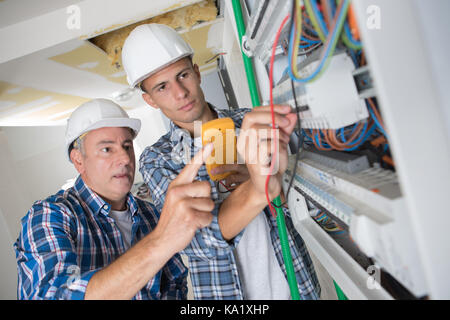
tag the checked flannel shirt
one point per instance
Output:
(68, 237)
(212, 264)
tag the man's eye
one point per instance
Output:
(184, 75)
(161, 88)
(105, 149)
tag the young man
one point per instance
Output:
(239, 255)
(96, 240)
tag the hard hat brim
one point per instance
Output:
(133, 124)
(136, 84)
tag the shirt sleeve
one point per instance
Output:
(208, 242)
(46, 255)
(174, 286)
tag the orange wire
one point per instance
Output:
(314, 132)
(378, 141)
(353, 24)
(377, 114)
(388, 160)
(363, 59)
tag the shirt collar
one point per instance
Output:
(178, 134)
(95, 203)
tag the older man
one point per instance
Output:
(95, 240)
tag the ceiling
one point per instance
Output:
(46, 85)
(15, 11)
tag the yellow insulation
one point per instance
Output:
(183, 18)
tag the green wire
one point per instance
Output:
(340, 294)
(345, 38)
(290, 271)
(314, 21)
(247, 61)
(334, 44)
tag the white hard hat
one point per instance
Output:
(149, 48)
(95, 114)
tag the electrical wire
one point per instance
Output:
(226, 188)
(316, 19)
(310, 28)
(347, 36)
(327, 13)
(327, 51)
(376, 116)
(274, 155)
(301, 139)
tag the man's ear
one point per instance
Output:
(149, 100)
(77, 160)
(197, 72)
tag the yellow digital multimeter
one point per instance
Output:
(221, 132)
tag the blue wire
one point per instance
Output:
(319, 17)
(324, 145)
(333, 7)
(354, 55)
(361, 135)
(310, 41)
(307, 139)
(376, 122)
(350, 36)
(341, 131)
(369, 133)
(322, 63)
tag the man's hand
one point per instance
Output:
(256, 145)
(187, 207)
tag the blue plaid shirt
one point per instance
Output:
(69, 236)
(212, 264)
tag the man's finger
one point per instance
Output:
(226, 168)
(264, 118)
(204, 219)
(196, 189)
(190, 171)
(201, 204)
(276, 108)
(292, 123)
(235, 178)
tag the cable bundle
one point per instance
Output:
(324, 25)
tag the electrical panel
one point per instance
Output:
(331, 102)
(351, 189)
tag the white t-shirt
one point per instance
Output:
(125, 223)
(259, 271)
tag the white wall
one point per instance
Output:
(8, 278)
(212, 88)
(32, 167)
